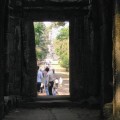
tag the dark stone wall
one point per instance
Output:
(106, 49)
(30, 68)
(13, 50)
(85, 56)
(74, 68)
(91, 72)
(101, 20)
(3, 12)
(91, 53)
(10, 56)
(101, 17)
(94, 51)
(20, 54)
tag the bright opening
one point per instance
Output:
(52, 51)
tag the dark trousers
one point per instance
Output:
(38, 86)
(50, 87)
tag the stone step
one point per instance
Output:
(57, 101)
(49, 101)
(49, 104)
(48, 98)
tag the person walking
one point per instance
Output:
(45, 79)
(39, 79)
(50, 80)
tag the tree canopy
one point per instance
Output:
(61, 45)
(63, 34)
(41, 41)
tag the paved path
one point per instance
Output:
(63, 89)
(62, 113)
(53, 114)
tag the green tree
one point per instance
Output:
(57, 24)
(61, 45)
(63, 34)
(41, 41)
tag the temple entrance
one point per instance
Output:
(80, 78)
(84, 73)
(52, 51)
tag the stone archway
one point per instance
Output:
(82, 80)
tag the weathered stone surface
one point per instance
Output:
(3, 11)
(116, 61)
(91, 70)
(53, 114)
(29, 88)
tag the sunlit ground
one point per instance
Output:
(63, 89)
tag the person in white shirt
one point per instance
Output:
(45, 81)
(50, 79)
(39, 79)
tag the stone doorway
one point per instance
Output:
(80, 74)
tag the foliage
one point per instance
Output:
(40, 54)
(39, 29)
(57, 24)
(41, 41)
(61, 45)
(64, 34)
(62, 50)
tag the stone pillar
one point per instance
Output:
(18, 16)
(84, 61)
(77, 59)
(91, 55)
(13, 54)
(17, 72)
(105, 36)
(3, 12)
(116, 61)
(30, 70)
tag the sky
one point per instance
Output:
(47, 24)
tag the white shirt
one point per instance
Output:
(50, 76)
